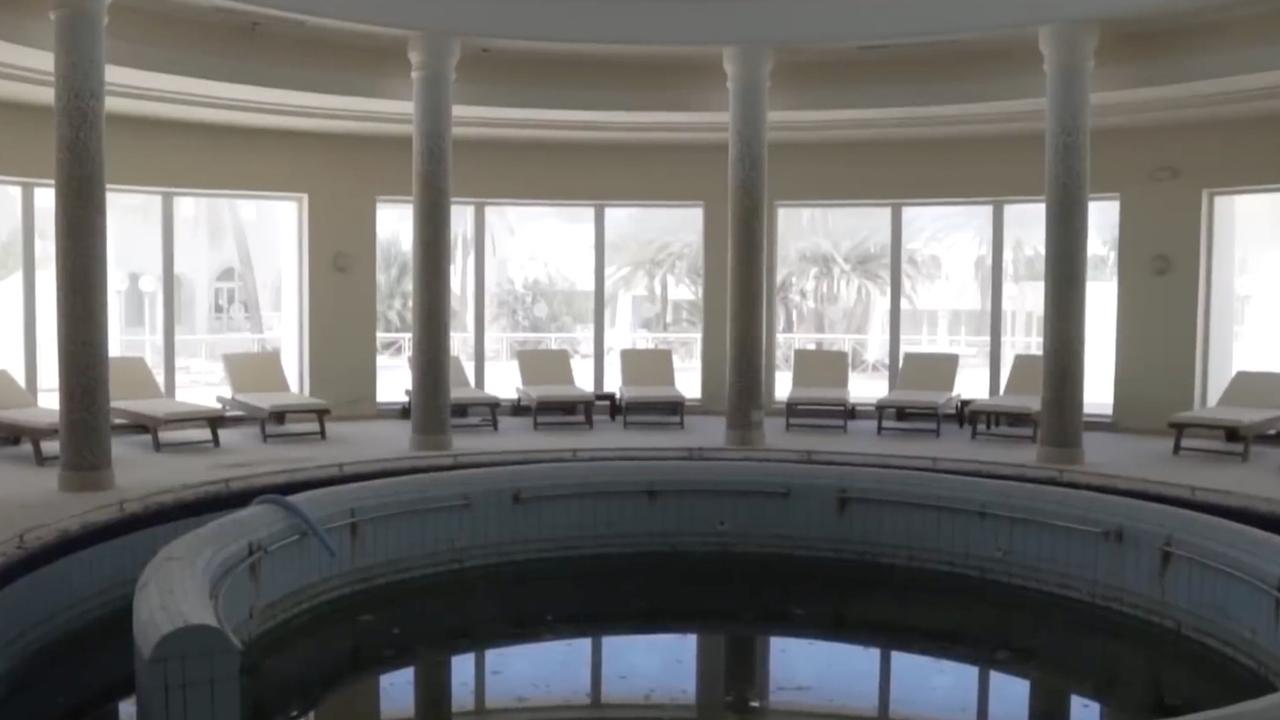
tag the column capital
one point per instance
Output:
(434, 53)
(744, 62)
(1069, 41)
(57, 7)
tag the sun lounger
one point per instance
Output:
(649, 387)
(546, 383)
(1248, 407)
(260, 390)
(926, 386)
(819, 389)
(136, 398)
(1020, 400)
(21, 419)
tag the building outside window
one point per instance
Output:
(236, 281)
(1243, 293)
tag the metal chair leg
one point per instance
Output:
(155, 438)
(213, 432)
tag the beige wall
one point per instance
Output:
(1156, 353)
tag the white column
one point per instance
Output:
(1068, 61)
(434, 58)
(748, 73)
(81, 222)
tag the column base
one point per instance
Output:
(431, 443)
(76, 481)
(748, 437)
(1059, 455)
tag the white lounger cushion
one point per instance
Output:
(1250, 401)
(917, 399)
(818, 396)
(555, 394)
(130, 378)
(1008, 405)
(471, 396)
(30, 418)
(1022, 388)
(255, 372)
(1229, 418)
(13, 395)
(547, 376)
(934, 372)
(651, 367)
(650, 394)
(167, 410)
(545, 368)
(278, 402)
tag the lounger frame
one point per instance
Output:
(559, 407)
(652, 408)
(796, 413)
(993, 420)
(262, 415)
(1243, 435)
(154, 425)
(457, 409)
(15, 434)
(901, 414)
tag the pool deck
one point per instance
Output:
(33, 511)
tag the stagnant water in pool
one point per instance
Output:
(820, 636)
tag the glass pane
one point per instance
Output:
(395, 295)
(539, 674)
(135, 277)
(1009, 698)
(820, 676)
(539, 289)
(1083, 708)
(46, 299)
(236, 287)
(12, 320)
(128, 709)
(640, 669)
(1023, 308)
(926, 688)
(833, 291)
(653, 289)
(395, 694)
(1246, 261)
(946, 288)
(464, 682)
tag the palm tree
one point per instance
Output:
(395, 287)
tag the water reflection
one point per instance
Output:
(686, 637)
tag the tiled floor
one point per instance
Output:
(31, 508)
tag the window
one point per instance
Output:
(237, 262)
(1023, 302)
(946, 288)
(821, 676)
(653, 288)
(644, 669)
(13, 349)
(539, 674)
(1245, 247)
(927, 688)
(832, 290)
(46, 308)
(395, 295)
(1009, 697)
(135, 276)
(539, 289)
(395, 694)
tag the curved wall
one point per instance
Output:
(342, 177)
(209, 595)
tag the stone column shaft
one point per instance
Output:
(748, 70)
(81, 221)
(434, 59)
(1068, 54)
(433, 686)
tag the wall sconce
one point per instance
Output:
(342, 262)
(1164, 173)
(1161, 265)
